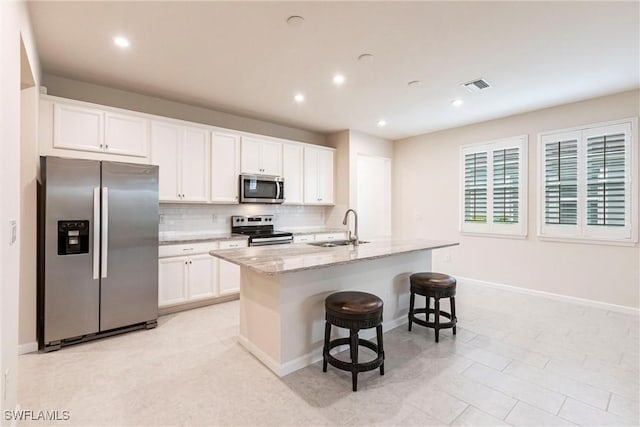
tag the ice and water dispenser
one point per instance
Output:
(73, 237)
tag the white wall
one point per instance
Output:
(349, 144)
(14, 23)
(426, 204)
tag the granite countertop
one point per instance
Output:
(199, 238)
(297, 257)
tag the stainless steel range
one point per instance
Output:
(260, 230)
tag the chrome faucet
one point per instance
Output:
(352, 238)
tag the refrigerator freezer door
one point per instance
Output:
(129, 290)
(72, 296)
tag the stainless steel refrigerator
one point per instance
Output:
(97, 249)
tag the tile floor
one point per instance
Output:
(517, 360)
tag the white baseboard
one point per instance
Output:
(566, 298)
(30, 347)
(316, 355)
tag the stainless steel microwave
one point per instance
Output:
(261, 189)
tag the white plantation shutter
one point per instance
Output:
(475, 187)
(606, 180)
(506, 188)
(561, 180)
(493, 187)
(588, 188)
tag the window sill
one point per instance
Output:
(587, 241)
(498, 235)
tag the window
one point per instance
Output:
(494, 191)
(587, 187)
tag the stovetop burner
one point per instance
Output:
(260, 230)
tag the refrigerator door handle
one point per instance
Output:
(96, 233)
(105, 230)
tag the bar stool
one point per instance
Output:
(354, 311)
(436, 286)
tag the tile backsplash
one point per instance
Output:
(203, 220)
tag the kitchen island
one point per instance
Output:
(283, 288)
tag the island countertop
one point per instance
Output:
(278, 259)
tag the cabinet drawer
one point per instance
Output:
(304, 238)
(233, 244)
(330, 236)
(186, 249)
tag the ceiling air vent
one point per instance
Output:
(476, 85)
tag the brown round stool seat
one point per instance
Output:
(343, 308)
(436, 286)
(354, 311)
(433, 284)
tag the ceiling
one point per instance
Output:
(243, 57)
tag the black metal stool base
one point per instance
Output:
(436, 324)
(353, 342)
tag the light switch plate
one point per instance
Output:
(13, 231)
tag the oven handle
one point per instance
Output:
(270, 240)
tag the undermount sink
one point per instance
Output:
(334, 243)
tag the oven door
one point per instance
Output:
(261, 189)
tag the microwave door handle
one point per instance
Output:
(278, 190)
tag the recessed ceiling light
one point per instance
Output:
(338, 79)
(365, 57)
(457, 102)
(295, 20)
(121, 41)
(414, 83)
(299, 98)
(382, 122)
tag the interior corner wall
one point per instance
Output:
(103, 95)
(362, 143)
(427, 202)
(14, 26)
(339, 141)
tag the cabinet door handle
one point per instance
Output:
(106, 146)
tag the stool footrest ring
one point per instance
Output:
(350, 366)
(441, 325)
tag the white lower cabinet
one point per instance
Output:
(229, 274)
(202, 277)
(172, 281)
(187, 272)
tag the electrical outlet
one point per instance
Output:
(214, 218)
(447, 258)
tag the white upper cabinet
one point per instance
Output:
(225, 167)
(126, 135)
(292, 171)
(182, 154)
(78, 128)
(89, 129)
(318, 176)
(165, 152)
(195, 165)
(261, 156)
